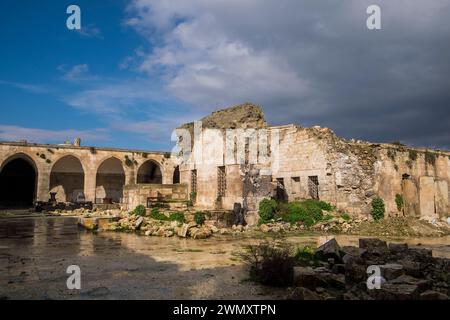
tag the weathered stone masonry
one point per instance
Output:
(312, 163)
(80, 173)
(315, 163)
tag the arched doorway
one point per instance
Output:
(176, 175)
(110, 181)
(67, 180)
(18, 178)
(149, 172)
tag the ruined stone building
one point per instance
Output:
(293, 163)
(309, 163)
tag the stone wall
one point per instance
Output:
(43, 159)
(420, 176)
(312, 162)
(137, 194)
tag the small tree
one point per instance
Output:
(267, 210)
(378, 209)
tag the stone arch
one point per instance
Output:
(18, 181)
(110, 181)
(176, 175)
(149, 172)
(67, 179)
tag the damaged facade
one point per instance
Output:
(314, 163)
(299, 163)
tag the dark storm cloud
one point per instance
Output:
(311, 62)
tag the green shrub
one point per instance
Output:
(305, 256)
(399, 201)
(345, 216)
(308, 211)
(266, 210)
(139, 210)
(311, 203)
(378, 209)
(177, 216)
(296, 212)
(155, 214)
(199, 217)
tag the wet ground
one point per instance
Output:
(35, 254)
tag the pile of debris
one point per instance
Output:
(373, 270)
(162, 228)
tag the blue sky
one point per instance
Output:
(56, 83)
(139, 68)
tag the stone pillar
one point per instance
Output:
(43, 185)
(89, 185)
(441, 197)
(167, 177)
(130, 177)
(426, 196)
(410, 199)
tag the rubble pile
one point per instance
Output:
(335, 272)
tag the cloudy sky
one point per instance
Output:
(137, 69)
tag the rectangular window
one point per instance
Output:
(221, 181)
(313, 186)
(295, 185)
(194, 181)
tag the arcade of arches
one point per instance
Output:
(101, 177)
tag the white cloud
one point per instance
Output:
(32, 88)
(76, 73)
(310, 62)
(112, 97)
(207, 66)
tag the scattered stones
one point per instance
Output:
(373, 244)
(329, 249)
(183, 230)
(138, 223)
(278, 226)
(397, 248)
(406, 274)
(302, 293)
(391, 270)
(422, 284)
(394, 291)
(433, 295)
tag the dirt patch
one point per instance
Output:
(398, 226)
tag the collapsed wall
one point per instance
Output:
(352, 173)
(307, 163)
